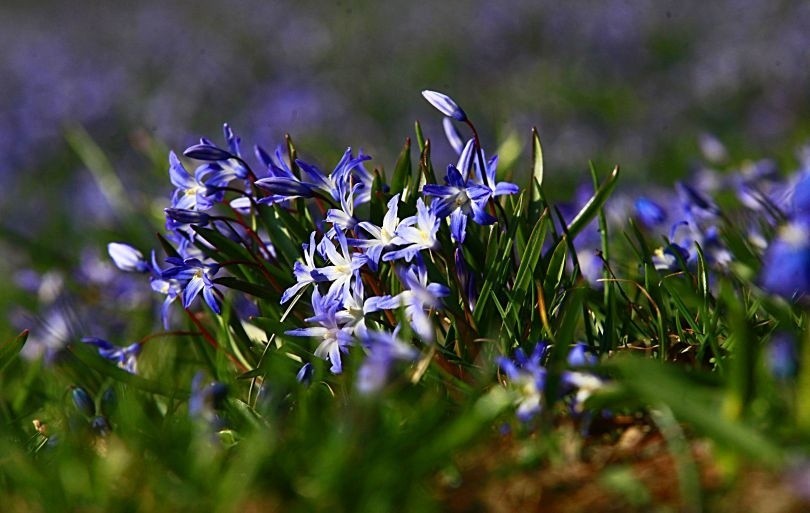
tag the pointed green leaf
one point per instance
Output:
(402, 171)
(11, 349)
(592, 207)
(536, 182)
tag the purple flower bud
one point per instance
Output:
(186, 216)
(205, 151)
(83, 401)
(445, 105)
(285, 187)
(304, 375)
(127, 258)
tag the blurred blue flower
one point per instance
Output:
(127, 258)
(650, 213)
(84, 403)
(782, 356)
(528, 375)
(123, 357)
(418, 299)
(207, 401)
(786, 264)
(384, 349)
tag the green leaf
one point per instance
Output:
(592, 207)
(402, 171)
(420, 137)
(426, 166)
(11, 349)
(248, 288)
(536, 182)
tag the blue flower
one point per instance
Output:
(334, 339)
(228, 162)
(123, 357)
(415, 233)
(445, 105)
(470, 158)
(193, 192)
(782, 356)
(343, 217)
(304, 375)
(453, 137)
(305, 272)
(345, 265)
(207, 400)
(355, 306)
(381, 237)
(194, 277)
(459, 199)
(328, 184)
(528, 375)
(84, 403)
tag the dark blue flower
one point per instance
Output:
(459, 199)
(340, 175)
(194, 277)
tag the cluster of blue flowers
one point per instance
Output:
(343, 263)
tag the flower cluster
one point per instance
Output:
(371, 276)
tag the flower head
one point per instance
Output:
(445, 105)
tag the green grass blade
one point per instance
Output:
(10, 350)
